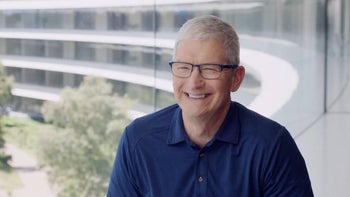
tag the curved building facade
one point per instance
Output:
(295, 52)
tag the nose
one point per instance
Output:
(196, 71)
(196, 78)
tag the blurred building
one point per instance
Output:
(296, 52)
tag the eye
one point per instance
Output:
(182, 66)
(210, 68)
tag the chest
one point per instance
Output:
(220, 170)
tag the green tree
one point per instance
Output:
(80, 152)
(5, 100)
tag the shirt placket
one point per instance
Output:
(201, 174)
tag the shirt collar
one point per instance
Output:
(176, 130)
(228, 132)
(230, 128)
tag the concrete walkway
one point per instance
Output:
(34, 179)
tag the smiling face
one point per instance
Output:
(199, 97)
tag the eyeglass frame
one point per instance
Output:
(221, 66)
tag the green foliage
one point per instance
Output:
(10, 180)
(141, 92)
(24, 132)
(4, 159)
(80, 151)
(5, 91)
(164, 99)
(5, 99)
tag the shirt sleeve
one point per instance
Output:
(122, 181)
(286, 173)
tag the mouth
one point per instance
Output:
(196, 96)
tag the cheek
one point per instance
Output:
(174, 83)
(176, 86)
(224, 88)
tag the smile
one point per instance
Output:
(196, 96)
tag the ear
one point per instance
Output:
(237, 78)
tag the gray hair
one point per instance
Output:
(211, 27)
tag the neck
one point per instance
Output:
(201, 130)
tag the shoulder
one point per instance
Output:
(253, 120)
(155, 122)
(275, 152)
(258, 127)
(156, 119)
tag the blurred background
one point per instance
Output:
(74, 73)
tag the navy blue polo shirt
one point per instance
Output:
(250, 155)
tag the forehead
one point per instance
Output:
(200, 51)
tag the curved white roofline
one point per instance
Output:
(28, 92)
(279, 79)
(89, 36)
(129, 77)
(76, 4)
(62, 4)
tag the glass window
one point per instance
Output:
(34, 77)
(338, 49)
(163, 99)
(15, 72)
(116, 54)
(68, 79)
(181, 17)
(84, 51)
(29, 106)
(55, 79)
(78, 79)
(148, 59)
(163, 57)
(30, 19)
(13, 19)
(2, 46)
(282, 48)
(13, 47)
(148, 21)
(116, 20)
(34, 48)
(84, 19)
(50, 19)
(291, 32)
(54, 49)
(140, 93)
(118, 87)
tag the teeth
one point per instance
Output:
(196, 96)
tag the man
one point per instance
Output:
(207, 145)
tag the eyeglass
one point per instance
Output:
(207, 71)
